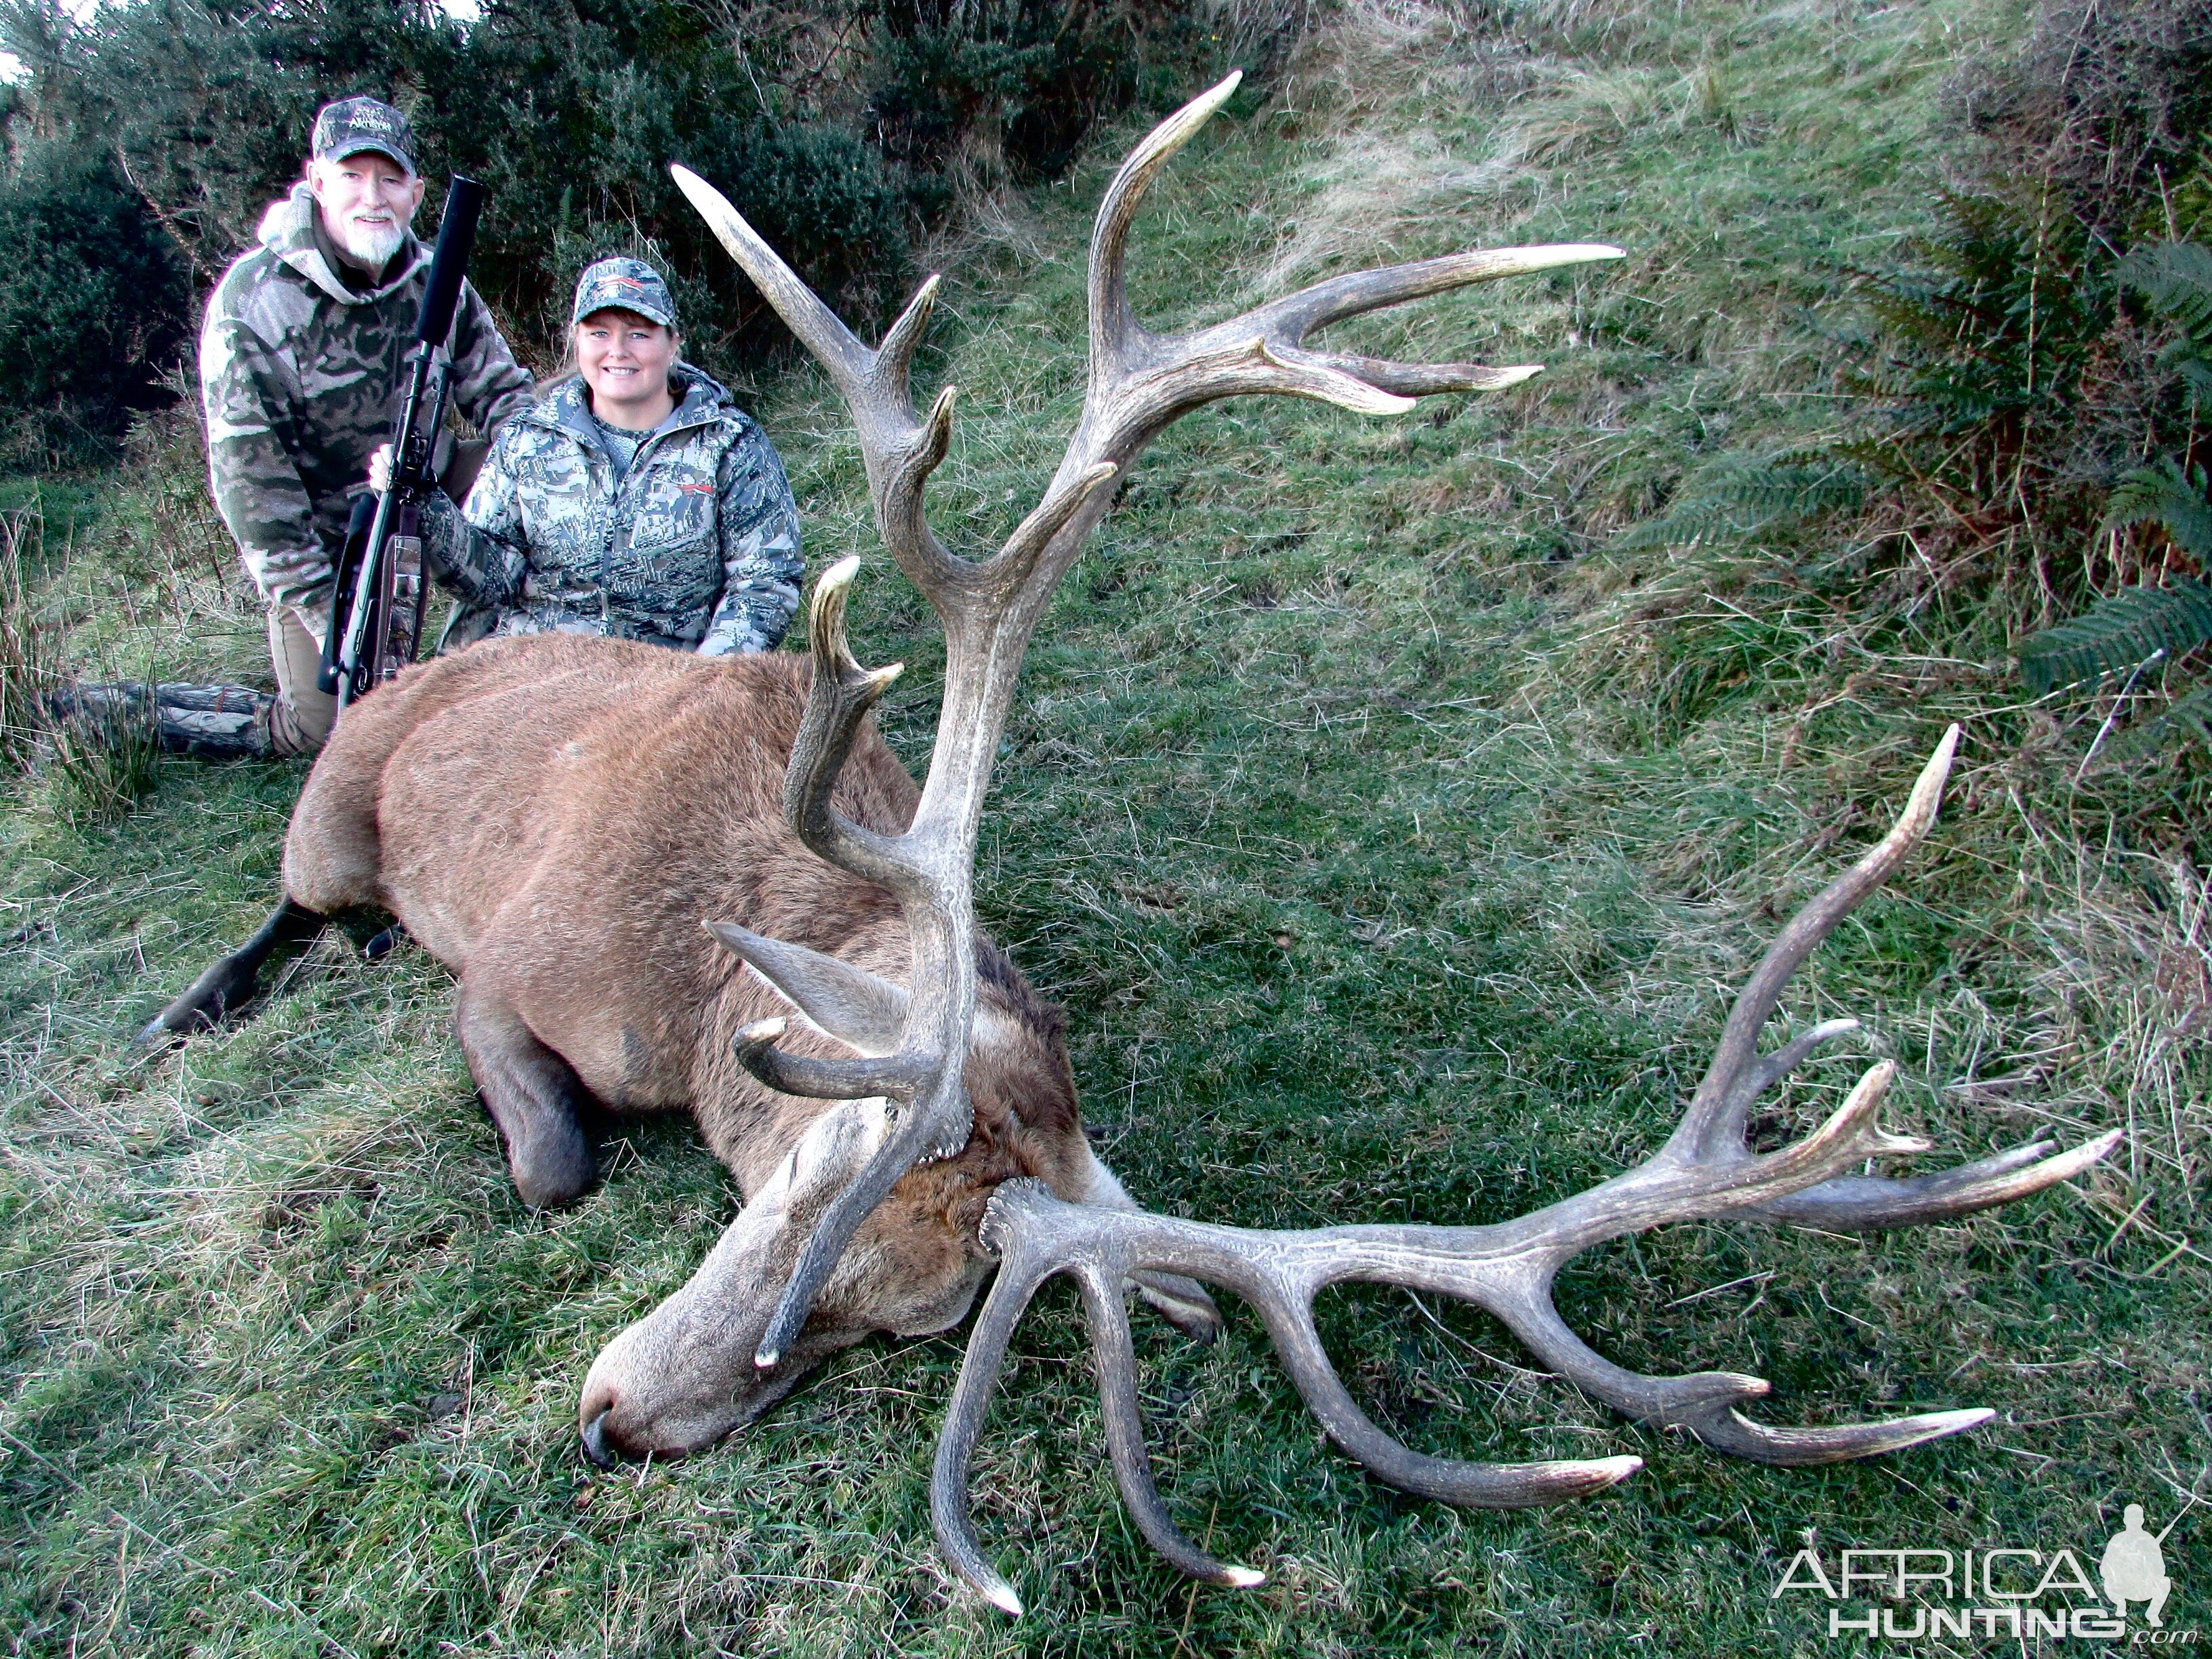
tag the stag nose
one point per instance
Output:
(595, 1441)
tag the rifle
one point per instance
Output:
(376, 611)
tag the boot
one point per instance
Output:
(215, 722)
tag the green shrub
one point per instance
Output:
(1981, 348)
(2149, 625)
(92, 296)
(569, 111)
(2120, 635)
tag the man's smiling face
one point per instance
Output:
(366, 201)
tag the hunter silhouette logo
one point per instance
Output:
(2134, 1568)
(1930, 1591)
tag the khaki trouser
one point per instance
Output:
(304, 713)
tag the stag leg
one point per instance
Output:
(532, 1096)
(230, 985)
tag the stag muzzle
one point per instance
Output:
(683, 1376)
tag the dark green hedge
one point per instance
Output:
(91, 294)
(843, 131)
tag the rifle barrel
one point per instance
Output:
(421, 413)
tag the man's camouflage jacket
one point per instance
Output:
(301, 378)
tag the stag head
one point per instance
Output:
(1139, 383)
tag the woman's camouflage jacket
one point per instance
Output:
(695, 548)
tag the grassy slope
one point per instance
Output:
(1394, 850)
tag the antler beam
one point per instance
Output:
(1139, 383)
(1705, 1172)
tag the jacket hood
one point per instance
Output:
(699, 397)
(287, 230)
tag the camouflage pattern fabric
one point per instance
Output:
(694, 547)
(352, 126)
(301, 379)
(620, 284)
(215, 722)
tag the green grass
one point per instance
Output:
(1394, 847)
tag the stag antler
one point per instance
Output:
(1138, 382)
(1705, 1172)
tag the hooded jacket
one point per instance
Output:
(301, 379)
(694, 545)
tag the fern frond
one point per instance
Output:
(2164, 493)
(1737, 496)
(2186, 717)
(2176, 277)
(2117, 635)
(2195, 372)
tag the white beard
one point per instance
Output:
(372, 244)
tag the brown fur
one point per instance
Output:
(554, 817)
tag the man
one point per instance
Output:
(300, 373)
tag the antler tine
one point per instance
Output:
(1448, 1480)
(1336, 298)
(895, 356)
(817, 1079)
(819, 328)
(1019, 1275)
(1759, 1078)
(1115, 332)
(837, 701)
(1423, 379)
(1139, 381)
(1865, 1204)
(1508, 1269)
(1712, 1127)
(1706, 1402)
(1115, 1357)
(898, 451)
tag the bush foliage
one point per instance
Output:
(843, 130)
(91, 294)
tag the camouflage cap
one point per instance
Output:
(625, 285)
(354, 124)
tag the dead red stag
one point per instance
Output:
(554, 818)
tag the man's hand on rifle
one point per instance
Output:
(379, 469)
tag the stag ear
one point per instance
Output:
(849, 1002)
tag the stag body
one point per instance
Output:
(552, 816)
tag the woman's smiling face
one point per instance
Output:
(625, 360)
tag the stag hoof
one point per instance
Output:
(230, 985)
(224, 988)
(554, 1173)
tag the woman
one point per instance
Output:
(635, 500)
